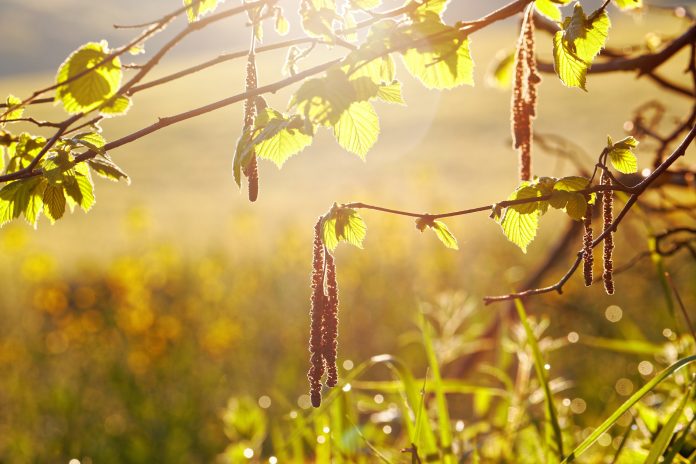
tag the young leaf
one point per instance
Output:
(391, 93)
(550, 8)
(441, 64)
(116, 107)
(16, 198)
(440, 229)
(79, 188)
(576, 206)
(343, 224)
(94, 88)
(577, 44)
(277, 138)
(629, 4)
(357, 128)
(282, 26)
(520, 228)
(54, 202)
(106, 168)
(13, 112)
(91, 140)
(621, 155)
(197, 8)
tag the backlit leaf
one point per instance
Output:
(358, 128)
(621, 155)
(629, 4)
(500, 72)
(391, 93)
(116, 107)
(96, 86)
(577, 44)
(444, 235)
(277, 138)
(550, 9)
(107, 169)
(197, 8)
(520, 228)
(343, 224)
(13, 111)
(54, 202)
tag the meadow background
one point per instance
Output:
(170, 323)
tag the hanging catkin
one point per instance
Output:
(607, 214)
(588, 258)
(316, 369)
(524, 94)
(251, 170)
(330, 326)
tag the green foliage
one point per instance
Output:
(21, 151)
(357, 128)
(343, 224)
(96, 87)
(117, 106)
(276, 137)
(520, 221)
(317, 18)
(282, 26)
(440, 229)
(577, 44)
(629, 4)
(442, 59)
(550, 8)
(198, 8)
(621, 154)
(13, 111)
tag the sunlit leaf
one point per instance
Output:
(358, 128)
(13, 110)
(343, 224)
(106, 168)
(277, 138)
(197, 8)
(282, 26)
(621, 155)
(576, 206)
(520, 228)
(54, 202)
(391, 93)
(116, 107)
(550, 8)
(94, 88)
(577, 44)
(629, 4)
(438, 63)
(440, 229)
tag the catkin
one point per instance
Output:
(316, 370)
(588, 258)
(607, 214)
(524, 95)
(251, 170)
(330, 326)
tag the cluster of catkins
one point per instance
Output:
(251, 170)
(608, 217)
(323, 333)
(524, 95)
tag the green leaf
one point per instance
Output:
(54, 202)
(550, 8)
(116, 107)
(572, 183)
(106, 168)
(91, 140)
(444, 235)
(357, 128)
(629, 4)
(520, 228)
(431, 6)
(96, 86)
(318, 17)
(79, 188)
(242, 156)
(277, 137)
(577, 44)
(391, 93)
(441, 64)
(323, 100)
(621, 155)
(13, 111)
(500, 72)
(523, 193)
(576, 206)
(282, 26)
(17, 198)
(345, 224)
(197, 8)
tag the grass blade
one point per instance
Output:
(551, 415)
(665, 436)
(606, 425)
(441, 400)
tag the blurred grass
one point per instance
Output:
(126, 330)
